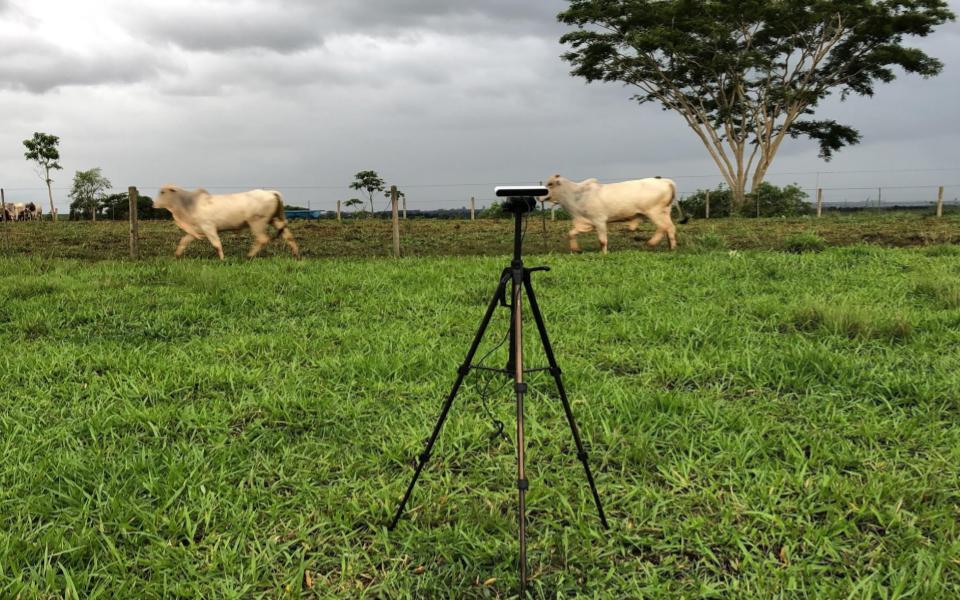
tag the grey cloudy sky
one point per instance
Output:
(301, 94)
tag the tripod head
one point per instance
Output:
(519, 201)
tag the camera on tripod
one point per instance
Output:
(520, 199)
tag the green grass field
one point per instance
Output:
(762, 424)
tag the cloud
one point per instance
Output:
(225, 27)
(38, 66)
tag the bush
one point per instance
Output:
(789, 201)
(808, 241)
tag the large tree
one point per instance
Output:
(42, 149)
(89, 192)
(370, 182)
(745, 74)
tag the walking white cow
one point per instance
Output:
(593, 205)
(202, 215)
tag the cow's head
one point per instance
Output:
(166, 197)
(557, 188)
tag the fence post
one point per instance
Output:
(338, 211)
(553, 212)
(134, 223)
(396, 221)
(707, 205)
(879, 197)
(473, 209)
(819, 202)
(404, 207)
(3, 206)
(940, 202)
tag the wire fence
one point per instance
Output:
(324, 202)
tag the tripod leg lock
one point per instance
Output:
(523, 485)
(424, 458)
(555, 371)
(521, 388)
(463, 370)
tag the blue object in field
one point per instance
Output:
(304, 214)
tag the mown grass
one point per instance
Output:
(762, 424)
(374, 237)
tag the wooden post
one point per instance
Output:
(473, 209)
(819, 202)
(707, 205)
(134, 224)
(553, 212)
(338, 211)
(3, 206)
(396, 221)
(940, 202)
(404, 207)
(879, 197)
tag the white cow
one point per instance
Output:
(593, 205)
(202, 215)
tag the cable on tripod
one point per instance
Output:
(498, 425)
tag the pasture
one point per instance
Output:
(420, 237)
(761, 423)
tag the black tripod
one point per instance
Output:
(518, 276)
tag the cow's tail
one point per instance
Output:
(279, 221)
(675, 202)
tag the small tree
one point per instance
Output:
(370, 182)
(42, 149)
(353, 202)
(88, 192)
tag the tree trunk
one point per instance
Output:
(739, 197)
(50, 194)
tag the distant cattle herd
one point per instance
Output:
(18, 211)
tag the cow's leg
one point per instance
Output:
(288, 238)
(665, 227)
(602, 236)
(578, 228)
(260, 238)
(214, 236)
(634, 224)
(182, 246)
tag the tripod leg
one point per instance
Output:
(516, 333)
(555, 371)
(461, 373)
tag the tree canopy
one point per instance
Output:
(88, 192)
(746, 74)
